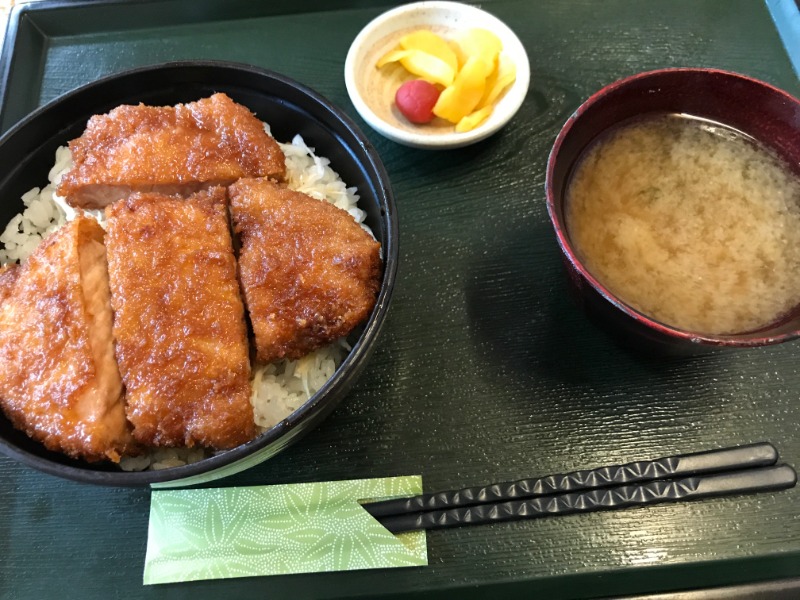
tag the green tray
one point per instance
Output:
(486, 371)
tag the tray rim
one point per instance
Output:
(25, 18)
(786, 16)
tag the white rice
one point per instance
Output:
(279, 388)
(41, 217)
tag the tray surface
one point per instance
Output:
(485, 371)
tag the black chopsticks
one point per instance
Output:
(737, 470)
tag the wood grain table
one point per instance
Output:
(486, 370)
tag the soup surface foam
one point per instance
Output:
(690, 222)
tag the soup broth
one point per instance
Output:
(690, 222)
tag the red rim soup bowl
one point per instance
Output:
(760, 110)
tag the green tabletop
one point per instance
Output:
(486, 371)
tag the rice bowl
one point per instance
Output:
(318, 381)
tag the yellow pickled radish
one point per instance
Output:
(430, 43)
(429, 68)
(421, 64)
(471, 121)
(481, 43)
(461, 98)
(472, 68)
(503, 76)
(460, 56)
(390, 57)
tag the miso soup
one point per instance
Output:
(690, 222)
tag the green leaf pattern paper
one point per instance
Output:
(272, 530)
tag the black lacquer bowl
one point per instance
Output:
(27, 152)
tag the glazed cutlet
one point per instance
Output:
(8, 276)
(309, 272)
(59, 381)
(168, 149)
(179, 326)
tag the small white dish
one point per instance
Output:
(372, 91)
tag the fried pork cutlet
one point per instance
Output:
(59, 382)
(168, 149)
(8, 275)
(308, 271)
(181, 339)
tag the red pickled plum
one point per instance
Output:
(415, 99)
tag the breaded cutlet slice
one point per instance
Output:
(179, 326)
(59, 382)
(8, 275)
(309, 272)
(168, 149)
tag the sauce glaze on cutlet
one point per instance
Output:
(168, 149)
(58, 379)
(179, 326)
(8, 275)
(310, 273)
